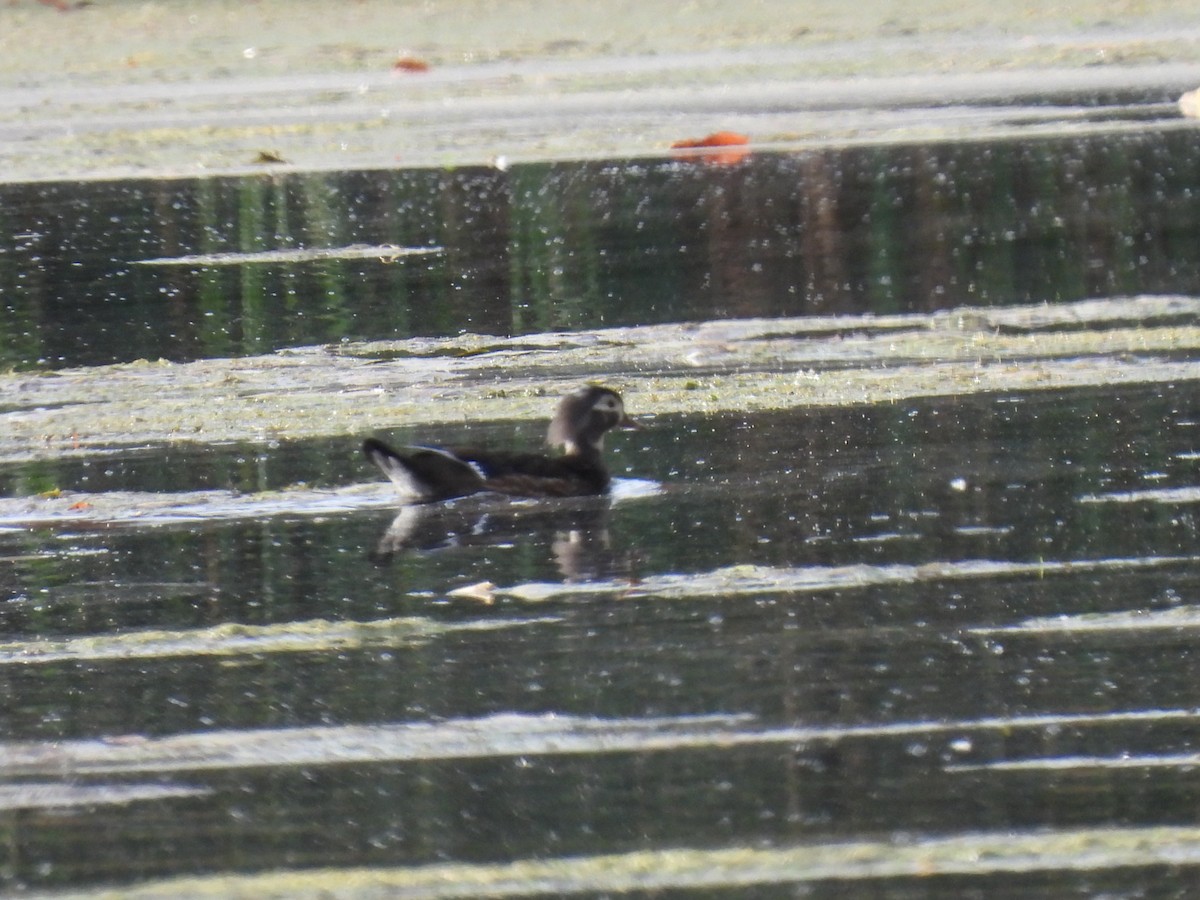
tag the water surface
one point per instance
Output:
(564, 246)
(941, 645)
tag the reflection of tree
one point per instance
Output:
(730, 236)
(475, 216)
(580, 245)
(932, 223)
(947, 479)
(820, 236)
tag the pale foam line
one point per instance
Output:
(1176, 618)
(752, 579)
(977, 853)
(504, 735)
(40, 795)
(1189, 494)
(1071, 763)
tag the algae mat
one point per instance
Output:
(979, 854)
(737, 365)
(162, 89)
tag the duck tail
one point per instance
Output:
(424, 474)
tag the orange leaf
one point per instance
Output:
(716, 139)
(410, 64)
(737, 153)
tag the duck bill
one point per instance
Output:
(630, 423)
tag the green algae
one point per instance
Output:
(106, 90)
(736, 365)
(980, 854)
(235, 639)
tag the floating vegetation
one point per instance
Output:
(234, 639)
(977, 853)
(745, 365)
(749, 579)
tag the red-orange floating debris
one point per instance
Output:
(716, 139)
(410, 64)
(82, 504)
(731, 139)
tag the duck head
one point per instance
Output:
(583, 418)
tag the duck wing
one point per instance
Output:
(425, 474)
(429, 474)
(534, 474)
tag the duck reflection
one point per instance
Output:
(576, 532)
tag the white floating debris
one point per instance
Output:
(1178, 495)
(382, 252)
(42, 795)
(1189, 104)
(484, 592)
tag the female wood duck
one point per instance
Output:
(429, 474)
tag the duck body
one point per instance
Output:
(431, 474)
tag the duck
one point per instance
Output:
(582, 419)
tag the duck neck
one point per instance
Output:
(584, 449)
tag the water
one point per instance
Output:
(860, 648)
(571, 246)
